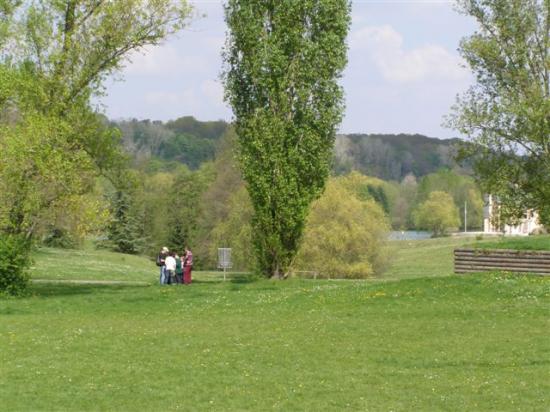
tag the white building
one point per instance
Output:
(492, 224)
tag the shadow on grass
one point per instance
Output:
(244, 278)
(48, 290)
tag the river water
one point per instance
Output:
(409, 235)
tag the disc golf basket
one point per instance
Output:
(224, 259)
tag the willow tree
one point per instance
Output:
(283, 61)
(506, 113)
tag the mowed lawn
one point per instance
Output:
(479, 342)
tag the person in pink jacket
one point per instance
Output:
(187, 266)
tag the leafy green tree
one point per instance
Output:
(7, 8)
(184, 207)
(154, 196)
(61, 53)
(125, 230)
(367, 188)
(463, 189)
(216, 203)
(283, 60)
(235, 232)
(14, 262)
(345, 237)
(506, 114)
(437, 214)
(404, 203)
(55, 56)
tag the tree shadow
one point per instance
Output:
(49, 290)
(244, 278)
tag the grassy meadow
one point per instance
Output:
(424, 339)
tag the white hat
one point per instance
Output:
(164, 249)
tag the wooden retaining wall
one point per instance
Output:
(520, 261)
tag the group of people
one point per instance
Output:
(175, 269)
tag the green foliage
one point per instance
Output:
(463, 189)
(204, 130)
(345, 237)
(59, 54)
(437, 214)
(283, 61)
(541, 242)
(125, 231)
(187, 149)
(235, 232)
(506, 114)
(14, 262)
(159, 144)
(368, 188)
(218, 202)
(184, 208)
(404, 203)
(59, 238)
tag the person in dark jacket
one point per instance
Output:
(179, 269)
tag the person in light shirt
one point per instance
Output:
(170, 263)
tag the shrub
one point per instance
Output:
(59, 238)
(345, 237)
(437, 214)
(14, 261)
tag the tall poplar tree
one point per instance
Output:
(283, 61)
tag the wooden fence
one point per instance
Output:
(520, 261)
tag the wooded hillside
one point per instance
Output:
(392, 157)
(193, 142)
(184, 140)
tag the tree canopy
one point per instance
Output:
(506, 113)
(437, 214)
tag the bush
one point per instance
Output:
(437, 214)
(345, 237)
(14, 261)
(59, 238)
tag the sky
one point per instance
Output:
(403, 73)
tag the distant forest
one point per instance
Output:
(184, 140)
(392, 157)
(193, 142)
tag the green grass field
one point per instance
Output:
(518, 243)
(426, 341)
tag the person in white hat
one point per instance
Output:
(161, 262)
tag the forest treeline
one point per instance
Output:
(184, 140)
(386, 156)
(394, 156)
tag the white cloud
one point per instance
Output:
(384, 46)
(163, 60)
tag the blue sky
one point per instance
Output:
(403, 72)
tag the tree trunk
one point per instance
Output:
(276, 272)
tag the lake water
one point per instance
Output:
(409, 235)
